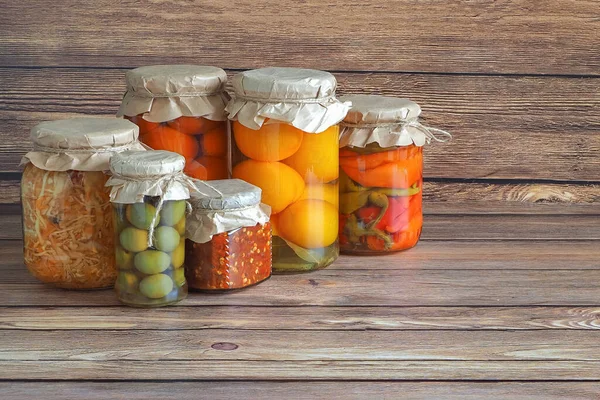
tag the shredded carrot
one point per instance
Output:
(68, 228)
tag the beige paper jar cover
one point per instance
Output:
(166, 92)
(222, 206)
(150, 173)
(81, 144)
(304, 98)
(387, 121)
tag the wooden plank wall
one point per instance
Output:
(516, 82)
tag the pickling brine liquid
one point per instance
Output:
(150, 275)
(298, 174)
(380, 198)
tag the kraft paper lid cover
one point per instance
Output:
(304, 98)
(165, 92)
(387, 121)
(223, 206)
(150, 173)
(81, 144)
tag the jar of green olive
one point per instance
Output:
(149, 193)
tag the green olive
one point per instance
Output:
(180, 226)
(133, 239)
(179, 276)
(151, 261)
(156, 286)
(172, 212)
(178, 255)
(141, 214)
(127, 282)
(166, 238)
(124, 258)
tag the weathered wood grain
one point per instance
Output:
(227, 370)
(377, 288)
(432, 254)
(301, 318)
(456, 227)
(302, 390)
(511, 36)
(504, 127)
(469, 198)
(276, 345)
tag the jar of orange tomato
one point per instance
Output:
(285, 141)
(181, 108)
(381, 174)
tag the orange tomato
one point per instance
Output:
(145, 126)
(272, 142)
(166, 138)
(214, 142)
(317, 158)
(207, 168)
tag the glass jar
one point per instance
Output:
(181, 108)
(285, 141)
(149, 193)
(67, 221)
(228, 242)
(381, 174)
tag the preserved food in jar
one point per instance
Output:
(150, 275)
(149, 194)
(381, 174)
(180, 108)
(228, 242)
(67, 219)
(285, 141)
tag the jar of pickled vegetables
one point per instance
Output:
(149, 192)
(181, 108)
(67, 219)
(228, 235)
(381, 174)
(285, 141)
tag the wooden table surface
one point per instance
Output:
(500, 299)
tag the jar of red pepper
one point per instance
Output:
(381, 174)
(228, 236)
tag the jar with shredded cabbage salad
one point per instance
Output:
(149, 193)
(67, 219)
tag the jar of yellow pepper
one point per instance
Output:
(381, 174)
(285, 141)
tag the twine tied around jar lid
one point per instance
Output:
(150, 173)
(387, 121)
(303, 98)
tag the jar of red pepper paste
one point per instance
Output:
(381, 174)
(228, 236)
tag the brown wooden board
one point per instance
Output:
(302, 390)
(504, 127)
(510, 36)
(316, 318)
